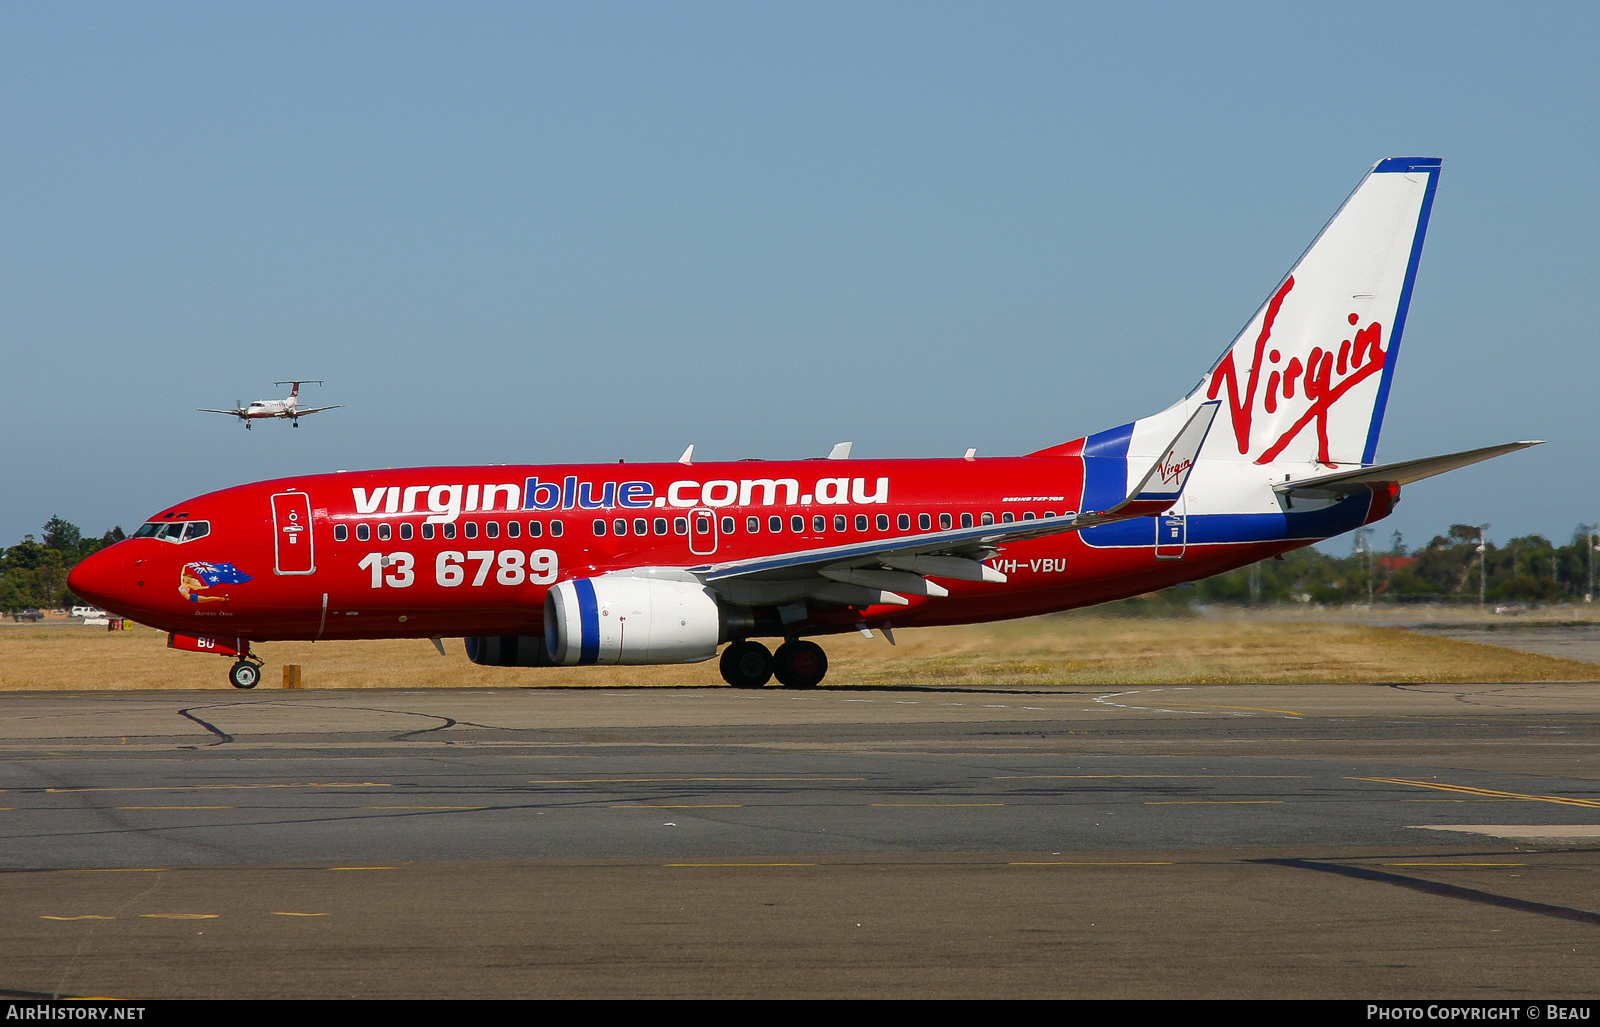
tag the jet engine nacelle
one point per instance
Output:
(632, 620)
(508, 651)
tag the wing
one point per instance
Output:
(884, 571)
(314, 410)
(204, 410)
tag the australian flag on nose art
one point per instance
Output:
(214, 574)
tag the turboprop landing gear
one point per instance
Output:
(244, 674)
(746, 664)
(800, 664)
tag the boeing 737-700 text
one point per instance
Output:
(536, 566)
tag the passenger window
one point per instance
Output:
(944, 522)
(819, 524)
(1029, 516)
(661, 525)
(904, 521)
(680, 525)
(838, 522)
(363, 532)
(925, 522)
(406, 531)
(988, 518)
(861, 522)
(641, 526)
(599, 526)
(341, 532)
(702, 525)
(513, 529)
(620, 525)
(797, 524)
(471, 529)
(1007, 517)
(727, 525)
(966, 520)
(536, 529)
(384, 531)
(883, 522)
(558, 528)
(752, 524)
(492, 529)
(427, 530)
(774, 524)
(450, 530)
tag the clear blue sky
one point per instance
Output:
(554, 232)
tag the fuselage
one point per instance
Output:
(1274, 448)
(469, 551)
(270, 408)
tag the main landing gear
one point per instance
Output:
(747, 664)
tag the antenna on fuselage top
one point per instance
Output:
(688, 456)
(841, 451)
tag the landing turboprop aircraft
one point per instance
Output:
(666, 563)
(288, 407)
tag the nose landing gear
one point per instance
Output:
(246, 671)
(747, 664)
(244, 674)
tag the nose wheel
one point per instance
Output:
(244, 674)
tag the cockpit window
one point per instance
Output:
(174, 531)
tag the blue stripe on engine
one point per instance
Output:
(588, 621)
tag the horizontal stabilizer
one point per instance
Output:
(1402, 473)
(1163, 483)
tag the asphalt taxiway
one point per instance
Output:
(1287, 840)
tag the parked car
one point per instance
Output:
(33, 615)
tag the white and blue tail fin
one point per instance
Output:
(1308, 378)
(1306, 381)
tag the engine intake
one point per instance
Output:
(628, 620)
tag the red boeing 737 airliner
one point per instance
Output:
(665, 563)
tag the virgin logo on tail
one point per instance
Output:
(1320, 382)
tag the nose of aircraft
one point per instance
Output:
(98, 578)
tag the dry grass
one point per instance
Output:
(1041, 651)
